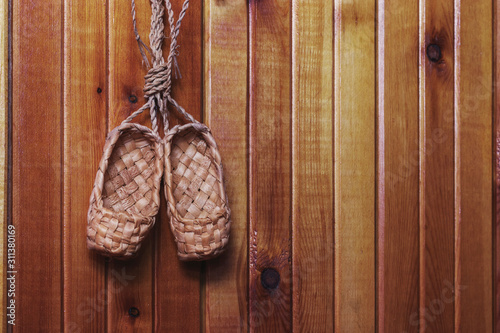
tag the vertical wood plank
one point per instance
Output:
(129, 283)
(398, 174)
(177, 284)
(85, 93)
(312, 161)
(36, 164)
(436, 166)
(473, 166)
(496, 155)
(225, 53)
(270, 166)
(355, 166)
(270, 309)
(4, 127)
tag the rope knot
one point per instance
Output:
(157, 80)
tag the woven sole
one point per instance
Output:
(125, 198)
(197, 203)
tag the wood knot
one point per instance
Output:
(133, 312)
(270, 278)
(434, 52)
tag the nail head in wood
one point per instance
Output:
(270, 278)
(132, 99)
(99, 90)
(434, 52)
(133, 312)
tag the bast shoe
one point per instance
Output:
(197, 202)
(126, 194)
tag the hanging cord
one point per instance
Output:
(143, 48)
(172, 57)
(158, 80)
(156, 37)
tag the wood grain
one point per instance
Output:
(85, 93)
(225, 92)
(129, 283)
(37, 164)
(270, 164)
(312, 162)
(473, 166)
(362, 166)
(496, 166)
(398, 158)
(178, 284)
(354, 166)
(436, 166)
(4, 127)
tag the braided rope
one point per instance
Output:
(174, 33)
(158, 80)
(155, 40)
(143, 48)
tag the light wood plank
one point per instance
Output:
(4, 104)
(398, 158)
(355, 166)
(270, 164)
(178, 284)
(473, 166)
(436, 166)
(85, 93)
(130, 283)
(312, 160)
(225, 90)
(37, 164)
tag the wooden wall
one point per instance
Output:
(361, 146)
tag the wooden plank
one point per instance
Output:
(436, 166)
(355, 166)
(130, 283)
(225, 90)
(85, 93)
(178, 284)
(496, 168)
(398, 158)
(270, 167)
(37, 164)
(473, 166)
(4, 104)
(312, 161)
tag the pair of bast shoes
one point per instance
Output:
(126, 194)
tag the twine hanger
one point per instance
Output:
(158, 80)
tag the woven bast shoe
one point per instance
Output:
(126, 194)
(197, 202)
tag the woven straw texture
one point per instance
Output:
(126, 193)
(194, 188)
